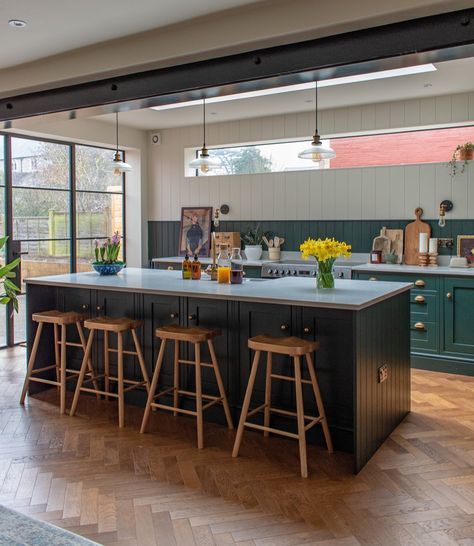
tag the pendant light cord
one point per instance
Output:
(204, 122)
(316, 105)
(117, 131)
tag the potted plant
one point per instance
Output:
(8, 290)
(106, 256)
(463, 152)
(252, 240)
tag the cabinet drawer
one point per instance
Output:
(424, 338)
(423, 306)
(421, 282)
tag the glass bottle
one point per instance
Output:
(196, 268)
(223, 265)
(186, 268)
(236, 267)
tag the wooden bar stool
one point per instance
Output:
(195, 335)
(295, 348)
(118, 326)
(57, 319)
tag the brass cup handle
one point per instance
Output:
(170, 268)
(307, 330)
(174, 315)
(373, 279)
(419, 325)
(420, 299)
(420, 282)
(191, 317)
(449, 295)
(284, 327)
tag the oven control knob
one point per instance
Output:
(313, 273)
(287, 272)
(340, 275)
(270, 271)
(293, 272)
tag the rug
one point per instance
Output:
(19, 530)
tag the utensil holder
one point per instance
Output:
(274, 254)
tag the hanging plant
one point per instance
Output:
(463, 152)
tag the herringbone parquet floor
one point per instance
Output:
(119, 487)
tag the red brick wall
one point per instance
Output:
(429, 146)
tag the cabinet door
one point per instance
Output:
(159, 311)
(213, 314)
(458, 300)
(257, 319)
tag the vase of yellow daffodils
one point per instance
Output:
(325, 251)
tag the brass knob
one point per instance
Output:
(284, 327)
(98, 308)
(420, 282)
(85, 306)
(191, 317)
(419, 326)
(174, 315)
(307, 330)
(373, 279)
(170, 268)
(449, 295)
(420, 299)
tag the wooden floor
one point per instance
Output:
(120, 487)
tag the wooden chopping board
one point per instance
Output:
(382, 242)
(412, 237)
(396, 238)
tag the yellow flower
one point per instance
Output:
(324, 249)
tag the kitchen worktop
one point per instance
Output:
(348, 294)
(403, 268)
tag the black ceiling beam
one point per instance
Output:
(438, 32)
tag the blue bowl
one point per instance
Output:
(108, 269)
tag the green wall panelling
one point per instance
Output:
(163, 236)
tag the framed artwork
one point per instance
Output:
(466, 248)
(195, 231)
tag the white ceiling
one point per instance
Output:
(451, 77)
(55, 26)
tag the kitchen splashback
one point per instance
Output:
(163, 236)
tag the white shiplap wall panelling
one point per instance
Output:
(389, 192)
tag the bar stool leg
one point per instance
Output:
(154, 383)
(31, 362)
(57, 357)
(197, 360)
(82, 373)
(220, 384)
(176, 377)
(80, 331)
(120, 379)
(141, 360)
(268, 393)
(300, 417)
(319, 403)
(62, 392)
(246, 404)
(106, 364)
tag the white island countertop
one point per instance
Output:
(348, 294)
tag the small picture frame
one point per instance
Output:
(466, 248)
(195, 231)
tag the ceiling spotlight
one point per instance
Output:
(17, 23)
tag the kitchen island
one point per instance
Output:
(363, 364)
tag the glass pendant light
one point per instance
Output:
(117, 165)
(204, 162)
(317, 152)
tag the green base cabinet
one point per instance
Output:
(441, 311)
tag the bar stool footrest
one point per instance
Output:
(272, 430)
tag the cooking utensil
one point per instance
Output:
(266, 241)
(276, 241)
(412, 237)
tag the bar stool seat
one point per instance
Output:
(295, 348)
(119, 326)
(195, 335)
(63, 373)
